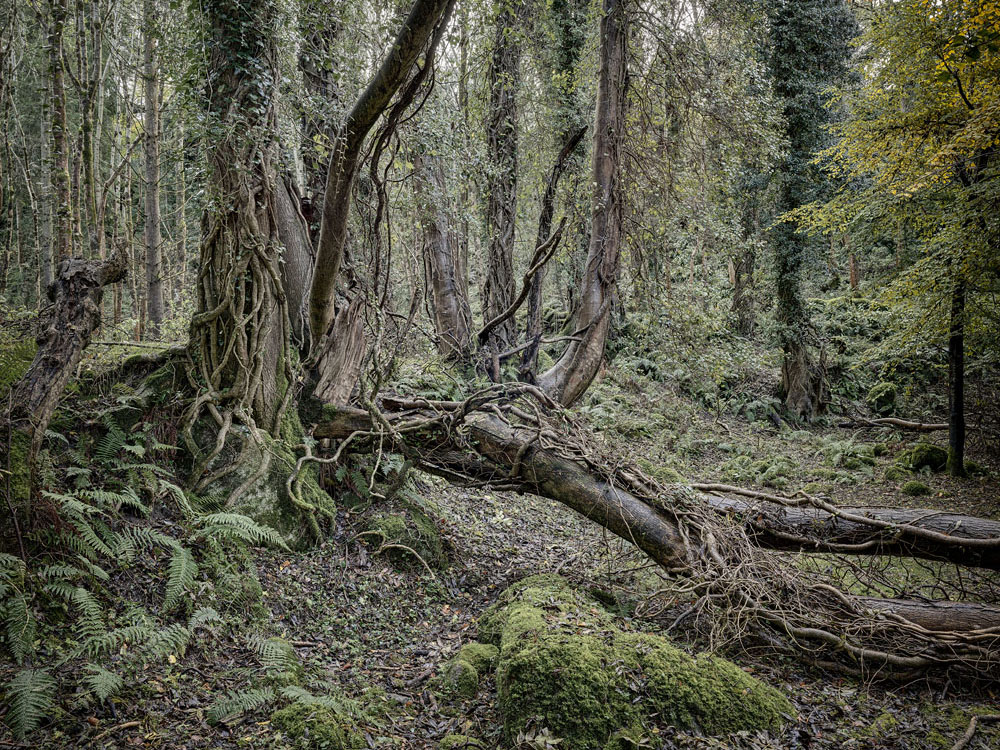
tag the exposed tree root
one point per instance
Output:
(512, 437)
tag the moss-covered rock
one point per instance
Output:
(459, 742)
(483, 656)
(314, 726)
(405, 532)
(924, 455)
(913, 488)
(896, 473)
(460, 679)
(560, 649)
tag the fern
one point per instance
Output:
(19, 626)
(167, 488)
(236, 526)
(103, 683)
(180, 576)
(275, 655)
(239, 702)
(30, 697)
(202, 617)
(113, 441)
(172, 639)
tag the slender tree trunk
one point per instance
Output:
(501, 183)
(571, 375)
(151, 126)
(62, 232)
(956, 382)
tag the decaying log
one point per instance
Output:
(969, 540)
(493, 451)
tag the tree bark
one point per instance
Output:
(572, 374)
(956, 382)
(971, 541)
(68, 324)
(151, 126)
(442, 259)
(501, 178)
(62, 230)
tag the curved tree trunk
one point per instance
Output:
(442, 259)
(571, 375)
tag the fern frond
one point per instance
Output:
(168, 488)
(236, 526)
(180, 576)
(202, 617)
(103, 683)
(112, 442)
(239, 702)
(30, 697)
(172, 639)
(19, 626)
(114, 639)
(275, 655)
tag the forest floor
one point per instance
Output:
(379, 630)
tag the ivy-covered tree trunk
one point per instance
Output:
(240, 339)
(572, 374)
(810, 47)
(501, 179)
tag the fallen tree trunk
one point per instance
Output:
(456, 441)
(971, 541)
(902, 424)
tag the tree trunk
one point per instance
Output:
(442, 259)
(151, 126)
(423, 19)
(970, 541)
(571, 375)
(62, 230)
(74, 315)
(956, 382)
(240, 333)
(533, 327)
(491, 450)
(501, 177)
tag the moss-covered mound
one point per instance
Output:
(317, 727)
(565, 663)
(407, 531)
(924, 455)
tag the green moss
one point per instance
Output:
(413, 530)
(662, 473)
(459, 742)
(460, 679)
(915, 488)
(896, 473)
(884, 725)
(559, 649)
(317, 727)
(976, 469)
(482, 656)
(924, 455)
(230, 569)
(20, 476)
